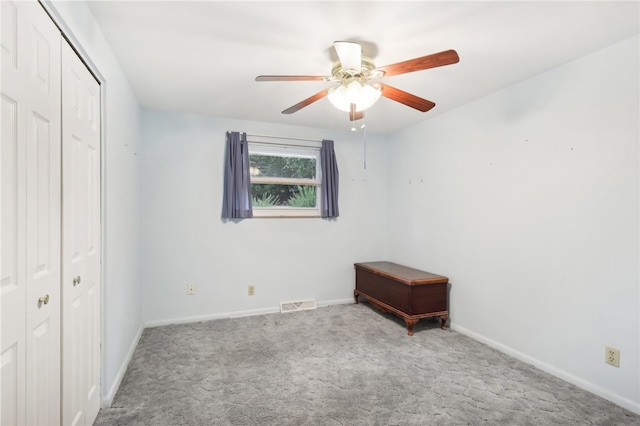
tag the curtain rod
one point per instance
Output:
(284, 137)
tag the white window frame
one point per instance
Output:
(307, 149)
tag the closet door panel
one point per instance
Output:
(43, 217)
(30, 233)
(13, 291)
(81, 242)
(94, 242)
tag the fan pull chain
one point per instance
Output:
(364, 143)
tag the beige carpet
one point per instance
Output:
(341, 365)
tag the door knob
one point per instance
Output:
(44, 299)
(76, 280)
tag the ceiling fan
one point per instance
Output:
(354, 71)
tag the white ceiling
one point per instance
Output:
(202, 57)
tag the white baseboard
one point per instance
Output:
(581, 383)
(108, 398)
(236, 314)
(325, 303)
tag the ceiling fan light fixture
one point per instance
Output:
(368, 97)
(363, 95)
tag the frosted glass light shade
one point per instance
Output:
(363, 95)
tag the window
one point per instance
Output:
(285, 179)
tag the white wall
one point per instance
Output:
(185, 241)
(528, 200)
(122, 309)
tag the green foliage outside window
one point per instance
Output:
(281, 195)
(305, 196)
(282, 166)
(266, 201)
(298, 195)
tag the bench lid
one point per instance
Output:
(402, 273)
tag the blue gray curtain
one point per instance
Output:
(237, 182)
(329, 188)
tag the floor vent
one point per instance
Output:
(301, 305)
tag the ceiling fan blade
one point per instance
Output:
(306, 102)
(355, 115)
(291, 78)
(350, 55)
(447, 57)
(406, 98)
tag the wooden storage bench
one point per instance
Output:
(409, 293)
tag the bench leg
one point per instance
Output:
(410, 323)
(444, 319)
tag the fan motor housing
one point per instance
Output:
(367, 71)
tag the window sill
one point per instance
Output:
(280, 213)
(287, 217)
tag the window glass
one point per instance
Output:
(281, 165)
(275, 195)
(284, 180)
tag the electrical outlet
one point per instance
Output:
(252, 290)
(191, 289)
(612, 356)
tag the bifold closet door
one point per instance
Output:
(49, 227)
(81, 318)
(30, 227)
